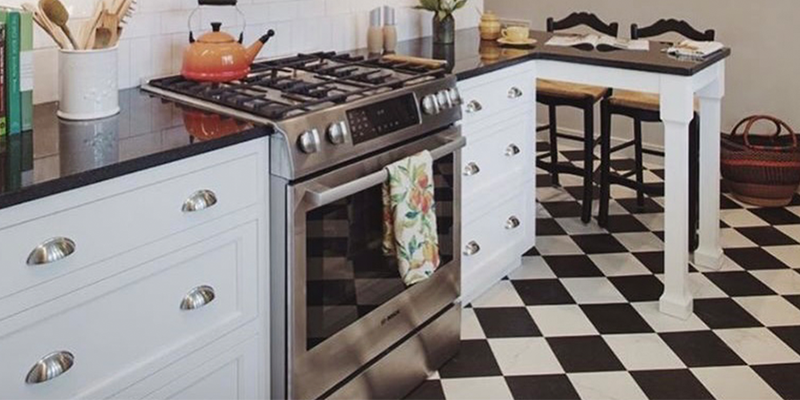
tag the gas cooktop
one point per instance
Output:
(294, 86)
(328, 108)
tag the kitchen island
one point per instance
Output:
(677, 81)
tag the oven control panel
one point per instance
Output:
(383, 118)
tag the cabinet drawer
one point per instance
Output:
(479, 130)
(217, 372)
(495, 157)
(501, 230)
(188, 296)
(487, 100)
(110, 226)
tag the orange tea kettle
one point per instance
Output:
(217, 56)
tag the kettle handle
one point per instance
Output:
(217, 3)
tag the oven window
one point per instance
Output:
(348, 276)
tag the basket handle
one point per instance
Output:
(779, 124)
(744, 121)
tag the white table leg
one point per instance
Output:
(677, 100)
(709, 253)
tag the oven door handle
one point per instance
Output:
(320, 195)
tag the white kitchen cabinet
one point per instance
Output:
(499, 175)
(106, 226)
(150, 281)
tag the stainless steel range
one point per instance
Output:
(343, 323)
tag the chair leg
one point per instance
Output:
(553, 145)
(637, 133)
(605, 163)
(694, 183)
(588, 161)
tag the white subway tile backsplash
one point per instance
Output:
(142, 60)
(155, 38)
(123, 64)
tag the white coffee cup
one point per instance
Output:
(516, 33)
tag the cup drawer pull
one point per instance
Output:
(513, 223)
(199, 201)
(472, 169)
(50, 367)
(514, 93)
(52, 250)
(512, 150)
(472, 248)
(198, 297)
(474, 106)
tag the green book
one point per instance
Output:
(13, 91)
(3, 166)
(26, 69)
(3, 128)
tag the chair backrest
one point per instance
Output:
(583, 19)
(672, 26)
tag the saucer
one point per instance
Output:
(526, 42)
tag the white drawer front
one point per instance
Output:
(501, 230)
(495, 157)
(122, 328)
(233, 375)
(110, 226)
(484, 101)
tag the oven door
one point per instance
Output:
(347, 302)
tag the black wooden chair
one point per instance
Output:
(555, 94)
(645, 107)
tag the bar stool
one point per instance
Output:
(555, 94)
(646, 107)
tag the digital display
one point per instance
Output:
(380, 119)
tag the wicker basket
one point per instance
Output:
(761, 170)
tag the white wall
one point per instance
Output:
(763, 75)
(153, 43)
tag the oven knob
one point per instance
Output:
(337, 133)
(309, 142)
(430, 105)
(444, 99)
(455, 96)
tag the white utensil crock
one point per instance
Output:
(88, 87)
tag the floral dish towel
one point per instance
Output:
(409, 218)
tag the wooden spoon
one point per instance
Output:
(45, 24)
(58, 14)
(102, 38)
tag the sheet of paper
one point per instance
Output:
(696, 49)
(635, 45)
(568, 40)
(595, 40)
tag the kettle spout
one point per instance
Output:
(255, 48)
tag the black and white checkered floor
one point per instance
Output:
(580, 319)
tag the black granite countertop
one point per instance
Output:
(470, 56)
(59, 155)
